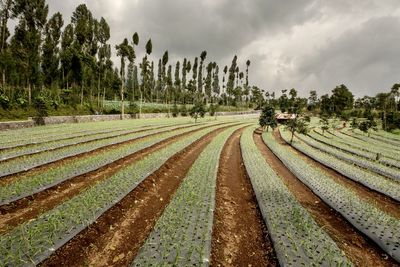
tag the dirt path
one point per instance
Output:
(357, 247)
(385, 203)
(30, 207)
(115, 238)
(69, 159)
(240, 237)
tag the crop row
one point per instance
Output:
(25, 163)
(353, 146)
(373, 222)
(297, 239)
(38, 182)
(35, 134)
(58, 144)
(373, 181)
(362, 162)
(33, 241)
(182, 235)
(379, 138)
(45, 140)
(367, 139)
(57, 137)
(363, 145)
(387, 135)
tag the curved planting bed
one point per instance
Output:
(297, 238)
(35, 240)
(376, 224)
(182, 235)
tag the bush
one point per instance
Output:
(40, 105)
(184, 111)
(4, 102)
(133, 108)
(175, 110)
(198, 110)
(212, 109)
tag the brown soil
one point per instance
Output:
(385, 203)
(69, 160)
(115, 238)
(240, 237)
(30, 207)
(358, 248)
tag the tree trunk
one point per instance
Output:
(122, 101)
(98, 91)
(82, 95)
(140, 105)
(29, 93)
(291, 139)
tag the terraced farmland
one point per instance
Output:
(220, 192)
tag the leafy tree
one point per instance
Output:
(326, 105)
(313, 100)
(395, 91)
(247, 73)
(194, 77)
(124, 51)
(354, 124)
(177, 80)
(208, 80)
(284, 101)
(198, 110)
(231, 77)
(368, 124)
(135, 38)
(341, 99)
(51, 57)
(104, 54)
(184, 71)
(324, 122)
(267, 117)
(225, 70)
(32, 17)
(5, 15)
(298, 123)
(215, 83)
(203, 56)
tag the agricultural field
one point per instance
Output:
(219, 192)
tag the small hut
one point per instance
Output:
(284, 117)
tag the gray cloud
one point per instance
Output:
(306, 44)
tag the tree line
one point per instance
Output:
(47, 60)
(341, 105)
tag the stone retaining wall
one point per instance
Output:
(89, 118)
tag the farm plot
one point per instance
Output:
(54, 228)
(373, 222)
(365, 151)
(288, 222)
(25, 163)
(29, 185)
(12, 153)
(182, 235)
(386, 186)
(378, 137)
(367, 139)
(363, 145)
(353, 159)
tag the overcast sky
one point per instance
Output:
(305, 44)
